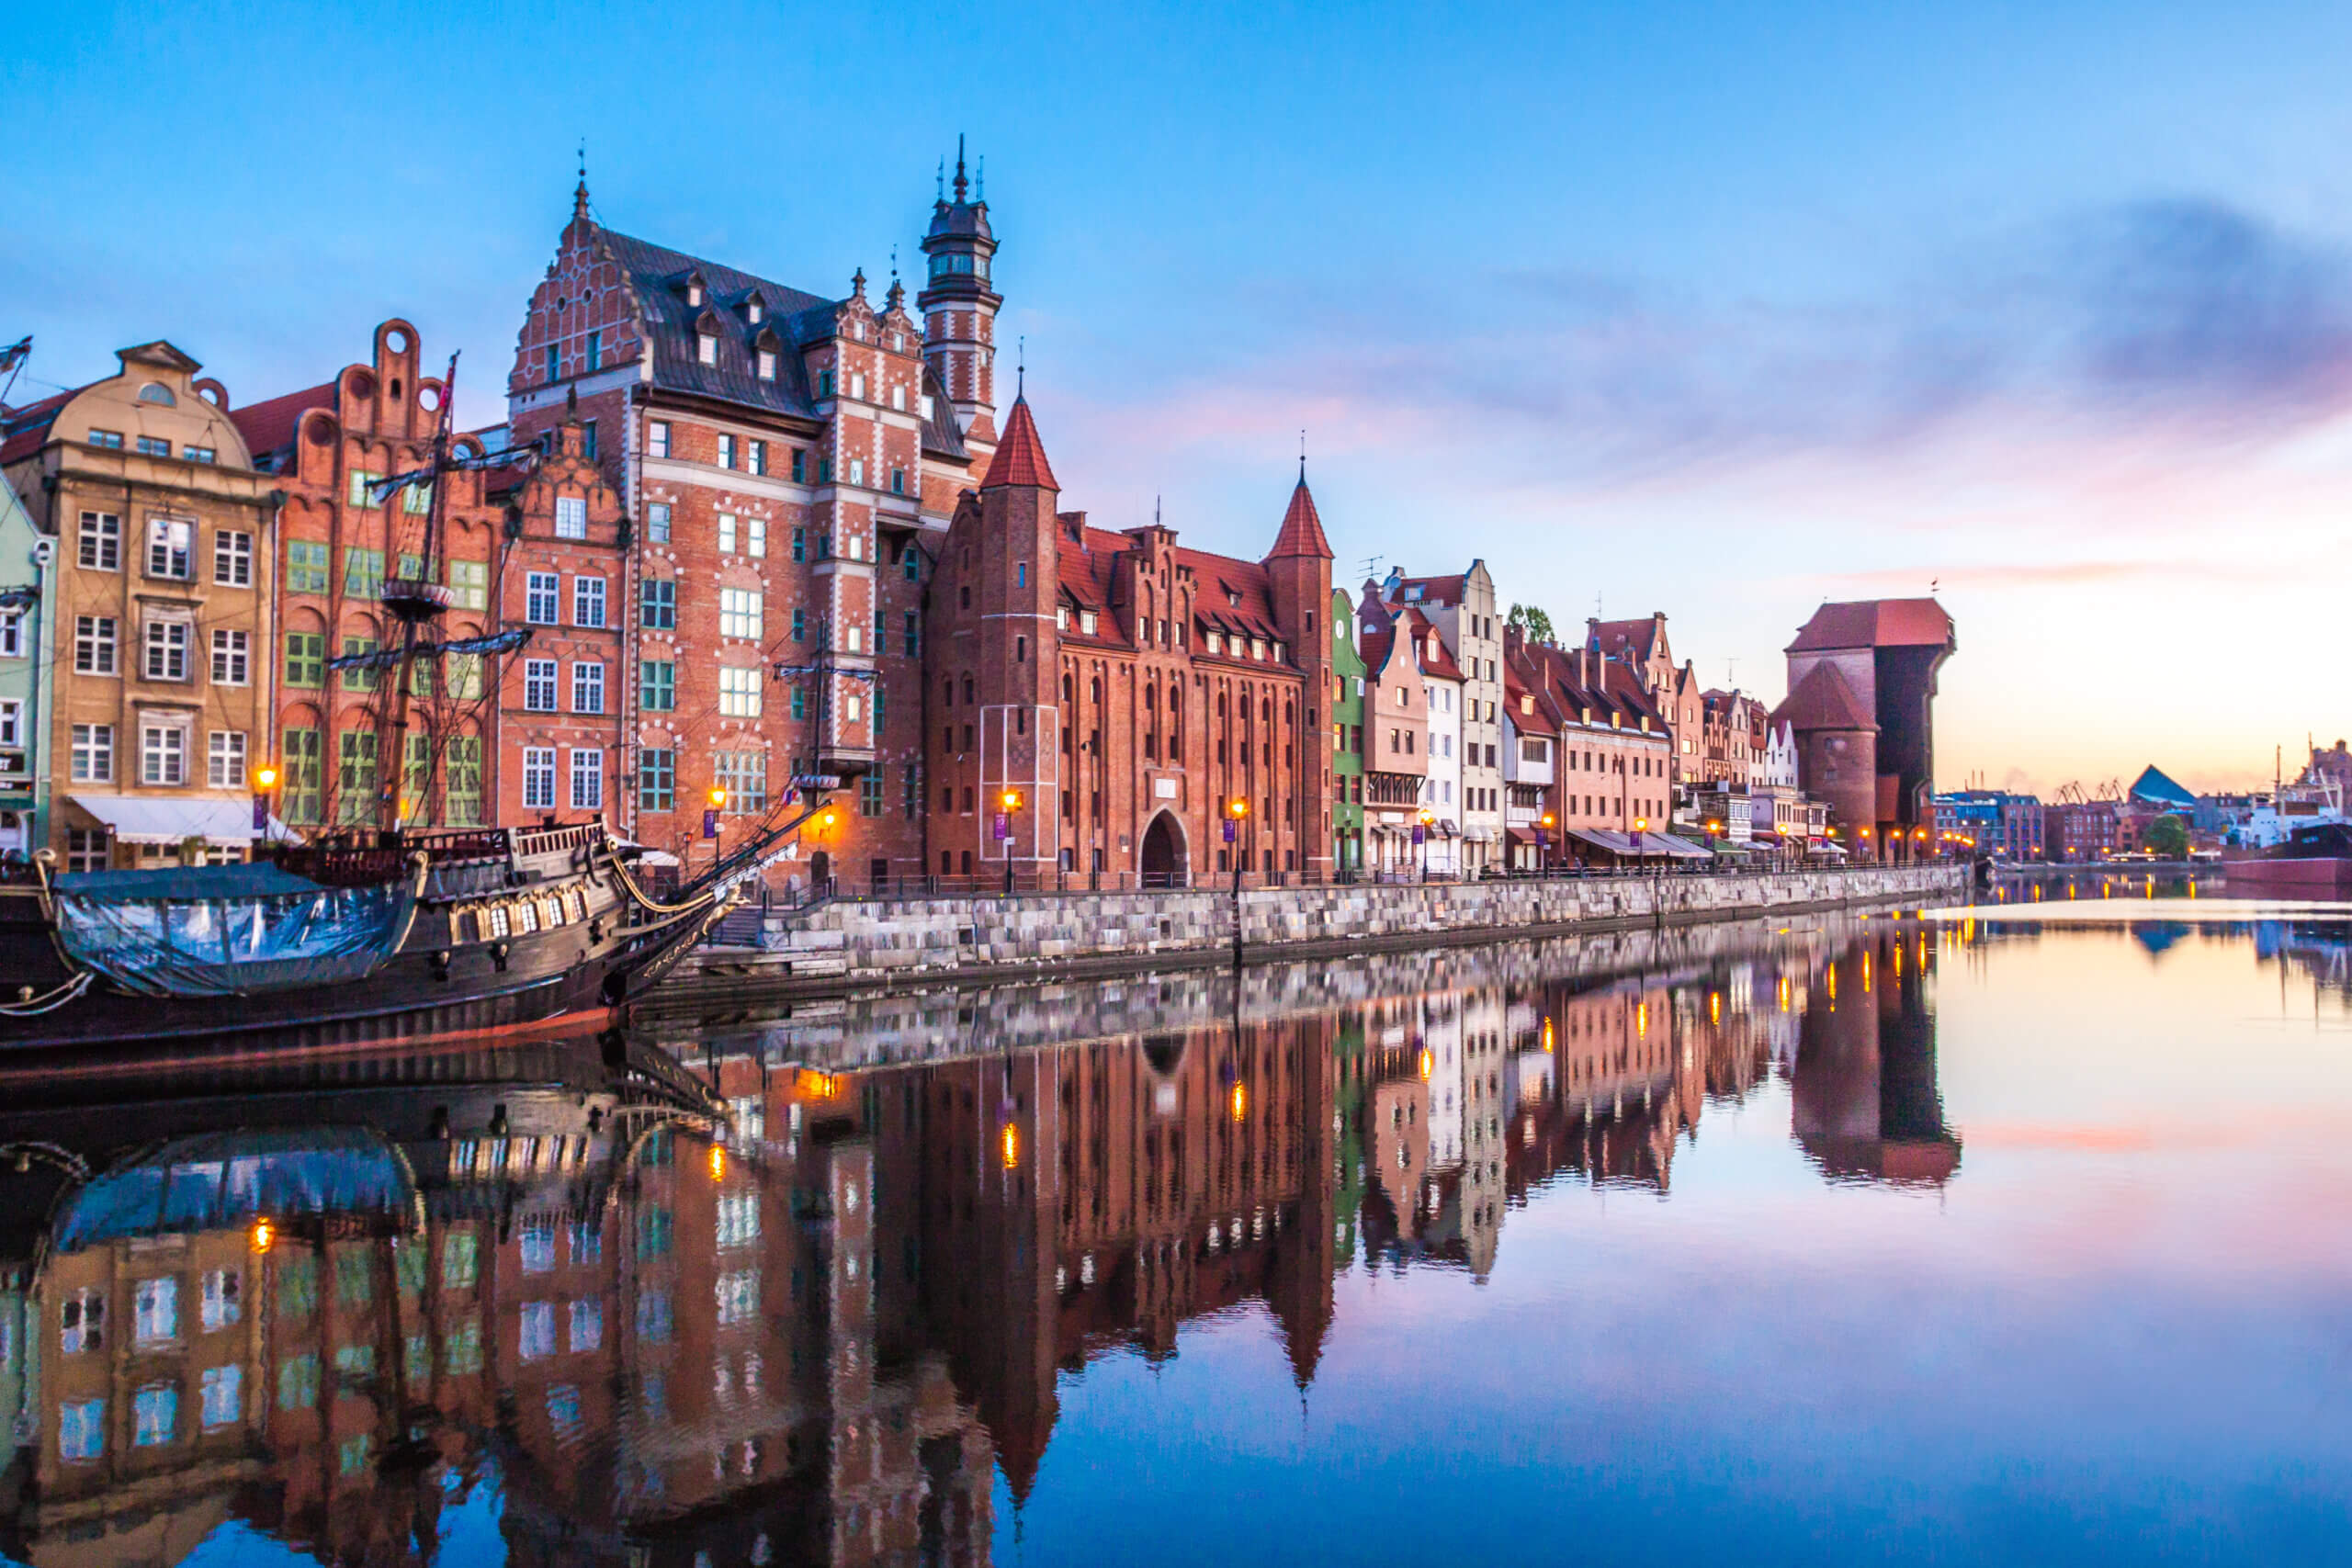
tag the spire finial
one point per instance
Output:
(580, 191)
(1021, 368)
(981, 183)
(961, 182)
(857, 283)
(942, 179)
(1302, 455)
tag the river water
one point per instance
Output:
(2007, 1234)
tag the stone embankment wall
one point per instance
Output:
(855, 941)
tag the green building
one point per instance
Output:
(1347, 739)
(24, 575)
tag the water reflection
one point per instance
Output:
(807, 1303)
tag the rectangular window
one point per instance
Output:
(725, 451)
(657, 779)
(304, 775)
(898, 481)
(759, 455)
(539, 778)
(869, 795)
(461, 781)
(800, 625)
(542, 598)
(156, 1415)
(12, 634)
(12, 722)
(554, 362)
(306, 658)
(154, 445)
(739, 692)
(767, 364)
(595, 354)
(167, 650)
(588, 686)
(156, 1303)
(739, 1297)
(588, 439)
(738, 1220)
(706, 349)
(536, 1339)
(857, 470)
(586, 1329)
(225, 759)
(356, 775)
(358, 677)
(657, 438)
(224, 1395)
(739, 613)
(461, 1261)
(162, 754)
(726, 533)
(362, 493)
(306, 567)
(169, 543)
(416, 498)
(913, 634)
(94, 645)
(232, 559)
(110, 440)
(800, 544)
(570, 517)
(799, 703)
(657, 599)
(744, 776)
(363, 573)
(99, 543)
(657, 522)
(539, 676)
(81, 1430)
(587, 600)
(756, 536)
(470, 584)
(587, 778)
(799, 466)
(657, 686)
(81, 1322)
(232, 657)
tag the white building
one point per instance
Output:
(1462, 609)
(1442, 790)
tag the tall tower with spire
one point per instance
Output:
(1298, 577)
(960, 306)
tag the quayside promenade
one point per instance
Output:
(847, 943)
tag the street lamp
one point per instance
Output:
(1427, 817)
(1010, 802)
(1544, 844)
(1236, 810)
(710, 821)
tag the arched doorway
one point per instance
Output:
(1164, 863)
(820, 871)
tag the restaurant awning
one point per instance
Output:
(1640, 845)
(164, 819)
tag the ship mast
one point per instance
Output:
(416, 603)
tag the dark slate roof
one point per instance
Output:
(657, 275)
(2157, 788)
(941, 436)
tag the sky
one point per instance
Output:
(1721, 310)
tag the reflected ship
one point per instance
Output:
(803, 1290)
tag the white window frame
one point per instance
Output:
(587, 778)
(588, 685)
(225, 759)
(98, 543)
(232, 661)
(588, 602)
(539, 778)
(163, 650)
(163, 755)
(739, 614)
(232, 558)
(739, 691)
(756, 536)
(542, 598)
(726, 533)
(92, 753)
(171, 544)
(570, 517)
(12, 722)
(541, 678)
(657, 437)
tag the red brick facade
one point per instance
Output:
(1126, 689)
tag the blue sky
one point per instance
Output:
(1708, 308)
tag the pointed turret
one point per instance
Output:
(1302, 530)
(1020, 455)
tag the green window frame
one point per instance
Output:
(357, 679)
(298, 1286)
(657, 603)
(306, 658)
(470, 584)
(464, 673)
(355, 776)
(303, 776)
(363, 573)
(362, 496)
(799, 703)
(417, 500)
(658, 685)
(869, 793)
(657, 779)
(461, 782)
(298, 1382)
(308, 565)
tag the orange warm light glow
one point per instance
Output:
(717, 1163)
(718, 798)
(1428, 1064)
(264, 1234)
(1237, 808)
(1241, 1101)
(1011, 1139)
(264, 777)
(1011, 799)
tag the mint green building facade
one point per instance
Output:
(1347, 739)
(26, 576)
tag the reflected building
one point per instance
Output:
(738, 1308)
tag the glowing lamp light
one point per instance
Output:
(1011, 800)
(1241, 1101)
(264, 777)
(1011, 1141)
(718, 798)
(1548, 819)
(717, 1163)
(1428, 1063)
(1237, 808)
(264, 1234)
(827, 819)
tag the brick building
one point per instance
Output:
(789, 461)
(1861, 699)
(1614, 756)
(326, 447)
(1123, 689)
(1673, 689)
(1397, 738)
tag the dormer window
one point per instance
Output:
(1086, 622)
(753, 310)
(693, 289)
(1061, 617)
(156, 392)
(706, 347)
(1217, 642)
(926, 405)
(767, 364)
(1281, 653)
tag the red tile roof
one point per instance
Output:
(1637, 638)
(1876, 623)
(26, 429)
(1302, 530)
(1824, 700)
(269, 426)
(1433, 590)
(1425, 637)
(1020, 455)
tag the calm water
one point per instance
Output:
(2007, 1235)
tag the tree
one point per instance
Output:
(2168, 837)
(1531, 622)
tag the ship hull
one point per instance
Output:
(2317, 876)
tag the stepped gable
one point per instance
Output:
(269, 426)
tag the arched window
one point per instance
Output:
(1069, 688)
(948, 694)
(967, 689)
(1095, 691)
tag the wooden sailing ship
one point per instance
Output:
(382, 930)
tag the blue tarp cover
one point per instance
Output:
(225, 930)
(218, 1181)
